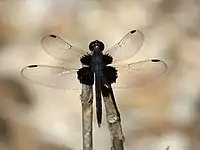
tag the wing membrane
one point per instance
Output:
(52, 76)
(131, 75)
(127, 47)
(139, 73)
(62, 50)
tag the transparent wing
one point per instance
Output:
(62, 50)
(127, 47)
(139, 73)
(52, 76)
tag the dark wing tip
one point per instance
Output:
(155, 60)
(32, 66)
(53, 36)
(133, 31)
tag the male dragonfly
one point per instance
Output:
(95, 66)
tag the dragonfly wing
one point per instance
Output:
(127, 47)
(52, 76)
(139, 73)
(60, 49)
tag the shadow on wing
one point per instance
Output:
(139, 73)
(52, 76)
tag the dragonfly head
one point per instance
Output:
(96, 45)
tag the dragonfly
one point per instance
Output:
(103, 68)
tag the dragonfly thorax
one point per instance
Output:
(97, 63)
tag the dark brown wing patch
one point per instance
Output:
(85, 76)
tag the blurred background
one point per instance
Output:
(34, 117)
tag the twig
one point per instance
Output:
(87, 115)
(114, 122)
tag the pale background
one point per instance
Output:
(153, 117)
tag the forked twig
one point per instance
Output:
(87, 115)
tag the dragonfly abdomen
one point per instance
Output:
(98, 86)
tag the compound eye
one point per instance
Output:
(100, 45)
(91, 46)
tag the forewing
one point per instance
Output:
(62, 50)
(127, 47)
(139, 73)
(52, 76)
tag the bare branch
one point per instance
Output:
(87, 115)
(114, 123)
